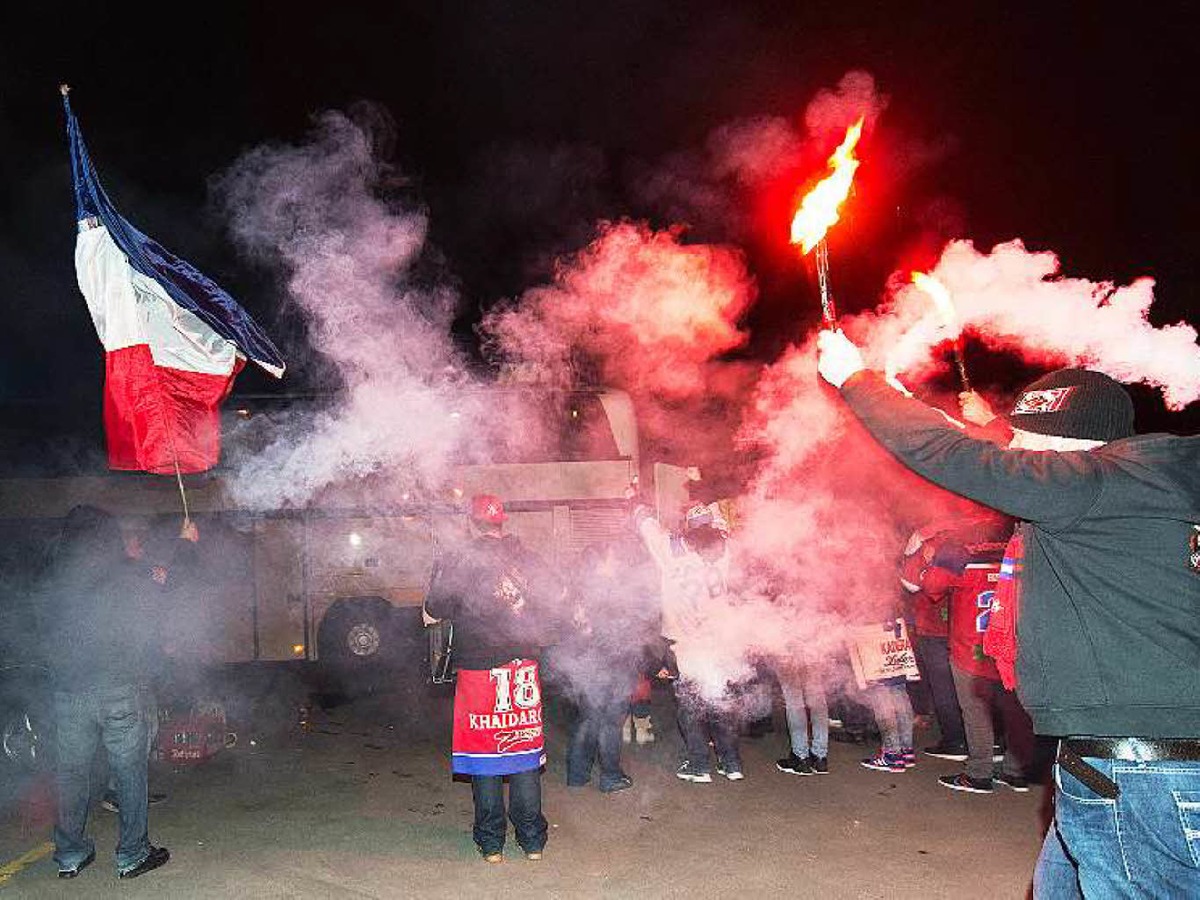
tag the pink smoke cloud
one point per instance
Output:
(646, 312)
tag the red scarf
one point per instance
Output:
(1000, 639)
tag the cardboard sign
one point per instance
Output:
(881, 651)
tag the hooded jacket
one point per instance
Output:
(1109, 627)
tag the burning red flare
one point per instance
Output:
(820, 208)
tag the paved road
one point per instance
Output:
(361, 804)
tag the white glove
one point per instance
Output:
(837, 357)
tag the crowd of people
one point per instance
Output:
(1079, 625)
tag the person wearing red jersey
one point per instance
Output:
(965, 570)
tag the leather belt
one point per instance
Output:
(1071, 753)
(1136, 749)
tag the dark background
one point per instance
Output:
(1070, 129)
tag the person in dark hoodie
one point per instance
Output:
(496, 594)
(103, 643)
(1104, 596)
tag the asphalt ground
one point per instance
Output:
(356, 800)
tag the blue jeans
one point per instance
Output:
(893, 714)
(117, 717)
(596, 737)
(804, 699)
(1145, 843)
(699, 721)
(524, 809)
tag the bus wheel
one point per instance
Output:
(356, 645)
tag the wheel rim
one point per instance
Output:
(363, 639)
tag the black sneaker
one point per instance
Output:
(1015, 782)
(72, 873)
(157, 856)
(112, 804)
(731, 770)
(962, 782)
(819, 764)
(794, 765)
(947, 751)
(695, 775)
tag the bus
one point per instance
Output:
(342, 582)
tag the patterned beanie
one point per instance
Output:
(1075, 403)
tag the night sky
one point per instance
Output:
(1072, 130)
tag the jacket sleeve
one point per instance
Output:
(1051, 488)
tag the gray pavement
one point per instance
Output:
(360, 804)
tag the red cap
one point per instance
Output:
(488, 508)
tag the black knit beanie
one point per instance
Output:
(1075, 403)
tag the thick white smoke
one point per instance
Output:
(1017, 300)
(314, 209)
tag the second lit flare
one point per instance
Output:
(940, 295)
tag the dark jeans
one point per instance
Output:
(701, 720)
(933, 661)
(1143, 843)
(524, 809)
(118, 717)
(979, 699)
(596, 737)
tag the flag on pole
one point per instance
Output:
(173, 339)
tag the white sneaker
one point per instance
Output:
(733, 773)
(643, 730)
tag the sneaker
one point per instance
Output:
(819, 764)
(112, 804)
(794, 765)
(835, 722)
(643, 730)
(909, 755)
(1016, 782)
(492, 858)
(627, 730)
(885, 762)
(732, 771)
(962, 782)
(533, 855)
(947, 751)
(620, 783)
(688, 773)
(72, 873)
(157, 856)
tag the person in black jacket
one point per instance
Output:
(103, 641)
(495, 594)
(1107, 598)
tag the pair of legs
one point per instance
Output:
(804, 700)
(524, 810)
(119, 718)
(701, 720)
(933, 661)
(894, 716)
(1145, 842)
(596, 737)
(978, 698)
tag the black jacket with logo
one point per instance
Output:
(1109, 627)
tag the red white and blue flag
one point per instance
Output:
(498, 720)
(173, 339)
